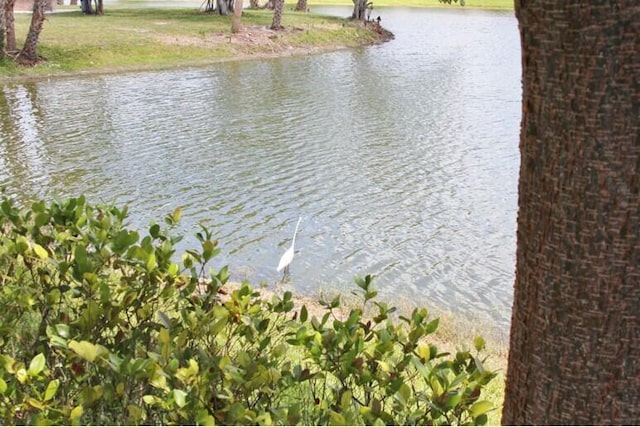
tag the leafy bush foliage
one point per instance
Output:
(102, 326)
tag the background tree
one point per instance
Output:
(237, 16)
(301, 6)
(3, 29)
(29, 55)
(360, 9)
(277, 15)
(88, 8)
(9, 26)
(575, 331)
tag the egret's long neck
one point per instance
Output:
(293, 242)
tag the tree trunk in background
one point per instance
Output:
(86, 7)
(29, 54)
(277, 15)
(224, 7)
(574, 354)
(253, 4)
(359, 9)
(10, 29)
(100, 7)
(301, 6)
(3, 29)
(237, 16)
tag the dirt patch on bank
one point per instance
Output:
(263, 41)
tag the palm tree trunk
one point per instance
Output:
(575, 329)
(277, 15)
(28, 54)
(10, 29)
(3, 29)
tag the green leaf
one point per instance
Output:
(335, 302)
(174, 218)
(432, 326)
(40, 251)
(82, 263)
(149, 399)
(424, 351)
(35, 403)
(345, 400)
(75, 415)
(180, 397)
(51, 389)
(135, 413)
(336, 419)
(163, 336)
(154, 231)
(37, 365)
(124, 239)
(480, 408)
(420, 367)
(173, 269)
(41, 219)
(479, 343)
(3, 386)
(62, 330)
(22, 245)
(158, 380)
(58, 342)
(21, 375)
(209, 249)
(304, 314)
(453, 400)
(203, 418)
(151, 262)
(87, 350)
(404, 394)
(185, 374)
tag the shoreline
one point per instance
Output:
(160, 43)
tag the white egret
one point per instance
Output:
(287, 257)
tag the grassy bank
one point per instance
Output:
(155, 38)
(475, 4)
(131, 37)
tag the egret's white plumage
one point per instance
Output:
(287, 257)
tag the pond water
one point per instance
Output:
(401, 159)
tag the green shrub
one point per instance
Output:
(102, 326)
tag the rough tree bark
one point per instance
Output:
(10, 29)
(277, 15)
(301, 6)
(360, 9)
(574, 354)
(28, 54)
(3, 29)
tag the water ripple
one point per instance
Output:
(401, 158)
